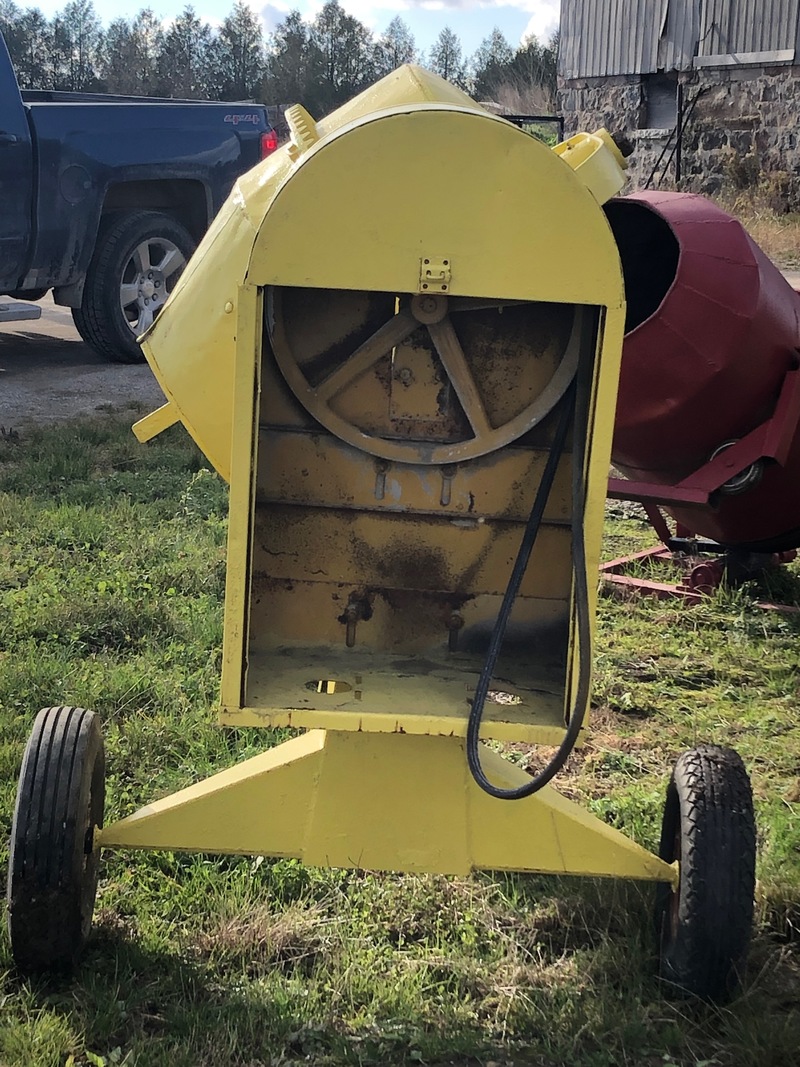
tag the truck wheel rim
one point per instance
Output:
(150, 274)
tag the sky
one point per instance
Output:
(471, 20)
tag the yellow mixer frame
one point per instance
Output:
(410, 189)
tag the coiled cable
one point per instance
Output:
(576, 412)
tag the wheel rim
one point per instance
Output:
(150, 274)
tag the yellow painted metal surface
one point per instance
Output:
(370, 344)
(383, 802)
(597, 162)
(156, 422)
(389, 539)
(410, 169)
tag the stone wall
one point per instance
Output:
(741, 131)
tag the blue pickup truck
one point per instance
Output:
(104, 198)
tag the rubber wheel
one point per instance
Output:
(53, 866)
(704, 925)
(136, 264)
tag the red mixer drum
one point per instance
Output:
(708, 372)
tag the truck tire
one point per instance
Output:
(53, 864)
(709, 827)
(138, 259)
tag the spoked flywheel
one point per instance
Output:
(427, 378)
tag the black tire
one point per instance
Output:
(53, 866)
(114, 274)
(79, 319)
(704, 925)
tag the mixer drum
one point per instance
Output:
(712, 329)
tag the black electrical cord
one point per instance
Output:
(582, 627)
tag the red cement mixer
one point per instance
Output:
(709, 394)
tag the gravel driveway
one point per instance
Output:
(48, 374)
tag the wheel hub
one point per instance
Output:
(154, 267)
(151, 286)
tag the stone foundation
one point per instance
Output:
(740, 133)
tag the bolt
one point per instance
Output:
(352, 614)
(454, 624)
(158, 285)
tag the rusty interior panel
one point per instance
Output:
(384, 576)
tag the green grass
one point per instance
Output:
(111, 583)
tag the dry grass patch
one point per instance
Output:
(776, 232)
(260, 936)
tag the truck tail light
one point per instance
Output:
(269, 142)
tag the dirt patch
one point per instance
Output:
(47, 374)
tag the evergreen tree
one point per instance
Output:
(79, 40)
(535, 64)
(445, 58)
(490, 65)
(57, 60)
(28, 37)
(11, 28)
(130, 55)
(395, 46)
(119, 59)
(294, 66)
(148, 41)
(184, 58)
(346, 51)
(238, 55)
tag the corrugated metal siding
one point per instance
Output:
(677, 45)
(600, 38)
(728, 26)
(616, 37)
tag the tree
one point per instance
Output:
(238, 55)
(59, 49)
(130, 55)
(119, 61)
(29, 39)
(395, 46)
(534, 67)
(148, 36)
(490, 64)
(184, 57)
(346, 51)
(294, 65)
(11, 28)
(79, 38)
(445, 58)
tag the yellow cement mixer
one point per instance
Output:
(400, 343)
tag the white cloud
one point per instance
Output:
(272, 15)
(543, 23)
(467, 17)
(544, 13)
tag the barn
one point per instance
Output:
(707, 91)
